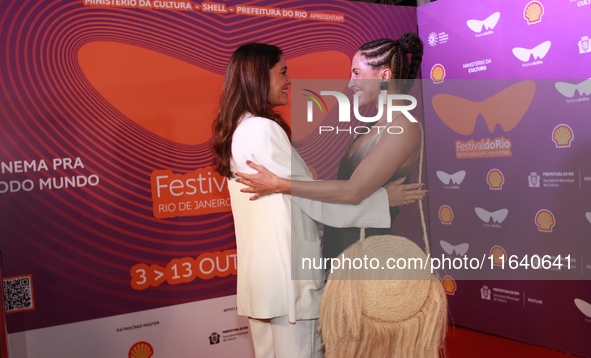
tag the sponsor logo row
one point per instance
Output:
(495, 179)
(544, 219)
(499, 255)
(503, 295)
(533, 14)
(562, 135)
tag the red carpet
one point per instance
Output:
(463, 342)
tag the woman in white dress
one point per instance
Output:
(275, 234)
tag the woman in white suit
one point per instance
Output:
(277, 233)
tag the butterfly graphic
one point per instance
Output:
(588, 216)
(583, 306)
(459, 250)
(455, 178)
(539, 52)
(505, 108)
(569, 90)
(174, 99)
(497, 216)
(488, 23)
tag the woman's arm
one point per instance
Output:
(381, 163)
(273, 150)
(265, 183)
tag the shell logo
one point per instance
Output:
(446, 215)
(495, 179)
(141, 350)
(545, 220)
(563, 135)
(449, 285)
(533, 12)
(499, 255)
(437, 73)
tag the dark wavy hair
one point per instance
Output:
(393, 54)
(246, 90)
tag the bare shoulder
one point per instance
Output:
(409, 131)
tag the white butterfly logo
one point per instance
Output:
(498, 216)
(460, 249)
(569, 90)
(588, 216)
(488, 23)
(540, 51)
(583, 306)
(455, 178)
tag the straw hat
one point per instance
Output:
(379, 311)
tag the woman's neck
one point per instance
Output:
(383, 120)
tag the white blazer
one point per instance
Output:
(274, 236)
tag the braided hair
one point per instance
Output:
(393, 54)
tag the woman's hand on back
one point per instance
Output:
(262, 183)
(403, 194)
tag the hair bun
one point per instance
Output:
(411, 43)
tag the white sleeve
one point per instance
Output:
(273, 150)
(374, 211)
(371, 212)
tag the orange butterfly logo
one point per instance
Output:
(175, 99)
(505, 108)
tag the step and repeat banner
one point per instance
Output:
(116, 233)
(506, 103)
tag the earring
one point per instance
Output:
(384, 85)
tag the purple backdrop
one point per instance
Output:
(508, 137)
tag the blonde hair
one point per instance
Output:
(381, 318)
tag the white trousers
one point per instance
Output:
(278, 338)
